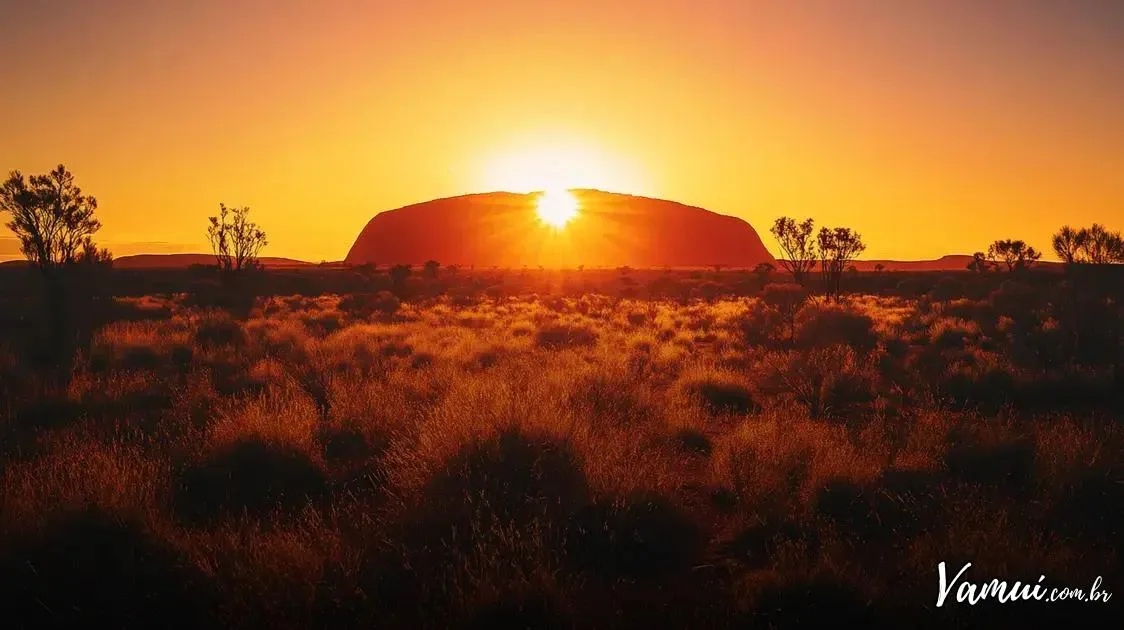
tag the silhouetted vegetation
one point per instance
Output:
(55, 224)
(1093, 245)
(235, 240)
(52, 219)
(798, 246)
(836, 248)
(1016, 255)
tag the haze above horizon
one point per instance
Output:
(930, 128)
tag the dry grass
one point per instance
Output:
(587, 461)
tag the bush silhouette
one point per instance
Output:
(354, 458)
(642, 536)
(756, 545)
(819, 326)
(719, 396)
(92, 569)
(140, 358)
(364, 305)
(249, 477)
(218, 329)
(1005, 464)
(509, 477)
(557, 336)
(848, 505)
(692, 441)
(786, 299)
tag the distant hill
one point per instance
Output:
(950, 262)
(176, 261)
(503, 230)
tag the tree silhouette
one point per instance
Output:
(798, 245)
(1069, 243)
(1099, 246)
(1093, 245)
(235, 240)
(55, 225)
(1015, 254)
(431, 267)
(980, 263)
(51, 217)
(836, 248)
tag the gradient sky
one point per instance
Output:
(931, 127)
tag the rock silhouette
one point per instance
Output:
(503, 230)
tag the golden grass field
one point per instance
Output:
(556, 461)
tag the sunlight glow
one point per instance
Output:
(549, 162)
(557, 207)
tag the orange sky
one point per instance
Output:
(930, 127)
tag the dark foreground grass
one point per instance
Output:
(562, 462)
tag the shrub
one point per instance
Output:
(556, 336)
(757, 545)
(94, 569)
(508, 477)
(217, 329)
(249, 476)
(719, 392)
(947, 289)
(1014, 298)
(692, 441)
(639, 537)
(951, 333)
(181, 356)
(758, 326)
(828, 381)
(364, 305)
(786, 299)
(1008, 464)
(819, 326)
(874, 513)
(355, 458)
(614, 399)
(985, 387)
(140, 358)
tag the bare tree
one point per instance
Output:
(798, 245)
(1015, 254)
(1099, 246)
(51, 217)
(1069, 243)
(235, 240)
(836, 248)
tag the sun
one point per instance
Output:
(557, 207)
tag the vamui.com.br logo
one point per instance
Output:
(960, 588)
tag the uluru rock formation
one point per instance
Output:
(503, 230)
